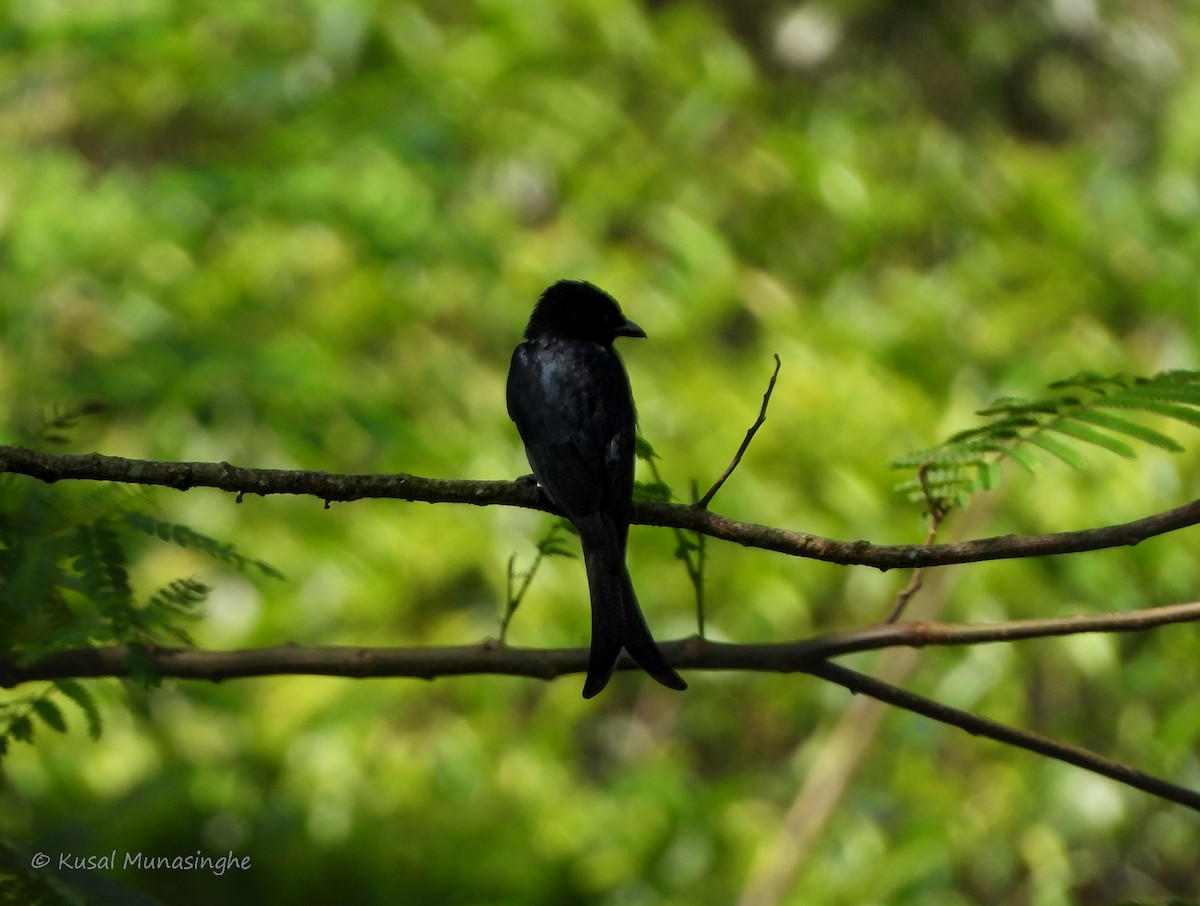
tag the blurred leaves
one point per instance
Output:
(307, 235)
(64, 582)
(187, 537)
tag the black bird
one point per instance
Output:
(569, 396)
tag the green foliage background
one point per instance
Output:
(308, 235)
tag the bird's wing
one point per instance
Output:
(574, 412)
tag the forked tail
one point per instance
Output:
(617, 620)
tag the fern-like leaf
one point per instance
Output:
(1071, 428)
(51, 715)
(1079, 411)
(20, 728)
(100, 561)
(176, 601)
(186, 537)
(78, 694)
(1130, 429)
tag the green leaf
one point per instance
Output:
(1167, 391)
(652, 490)
(643, 450)
(1016, 421)
(1006, 428)
(1023, 459)
(100, 561)
(1059, 449)
(1090, 380)
(1091, 436)
(989, 475)
(186, 537)
(956, 453)
(1133, 429)
(1020, 407)
(76, 692)
(267, 569)
(21, 729)
(944, 484)
(50, 714)
(1145, 404)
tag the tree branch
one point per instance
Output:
(328, 486)
(806, 656)
(332, 487)
(1022, 739)
(491, 657)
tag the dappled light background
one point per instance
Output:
(308, 236)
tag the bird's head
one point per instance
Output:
(577, 310)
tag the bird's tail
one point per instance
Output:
(617, 620)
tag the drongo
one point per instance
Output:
(569, 396)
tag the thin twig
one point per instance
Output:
(683, 551)
(703, 502)
(512, 599)
(696, 572)
(548, 544)
(937, 512)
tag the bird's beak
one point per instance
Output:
(629, 329)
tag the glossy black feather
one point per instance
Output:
(569, 395)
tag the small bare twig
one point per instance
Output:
(684, 547)
(937, 512)
(512, 597)
(703, 502)
(547, 546)
(695, 569)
